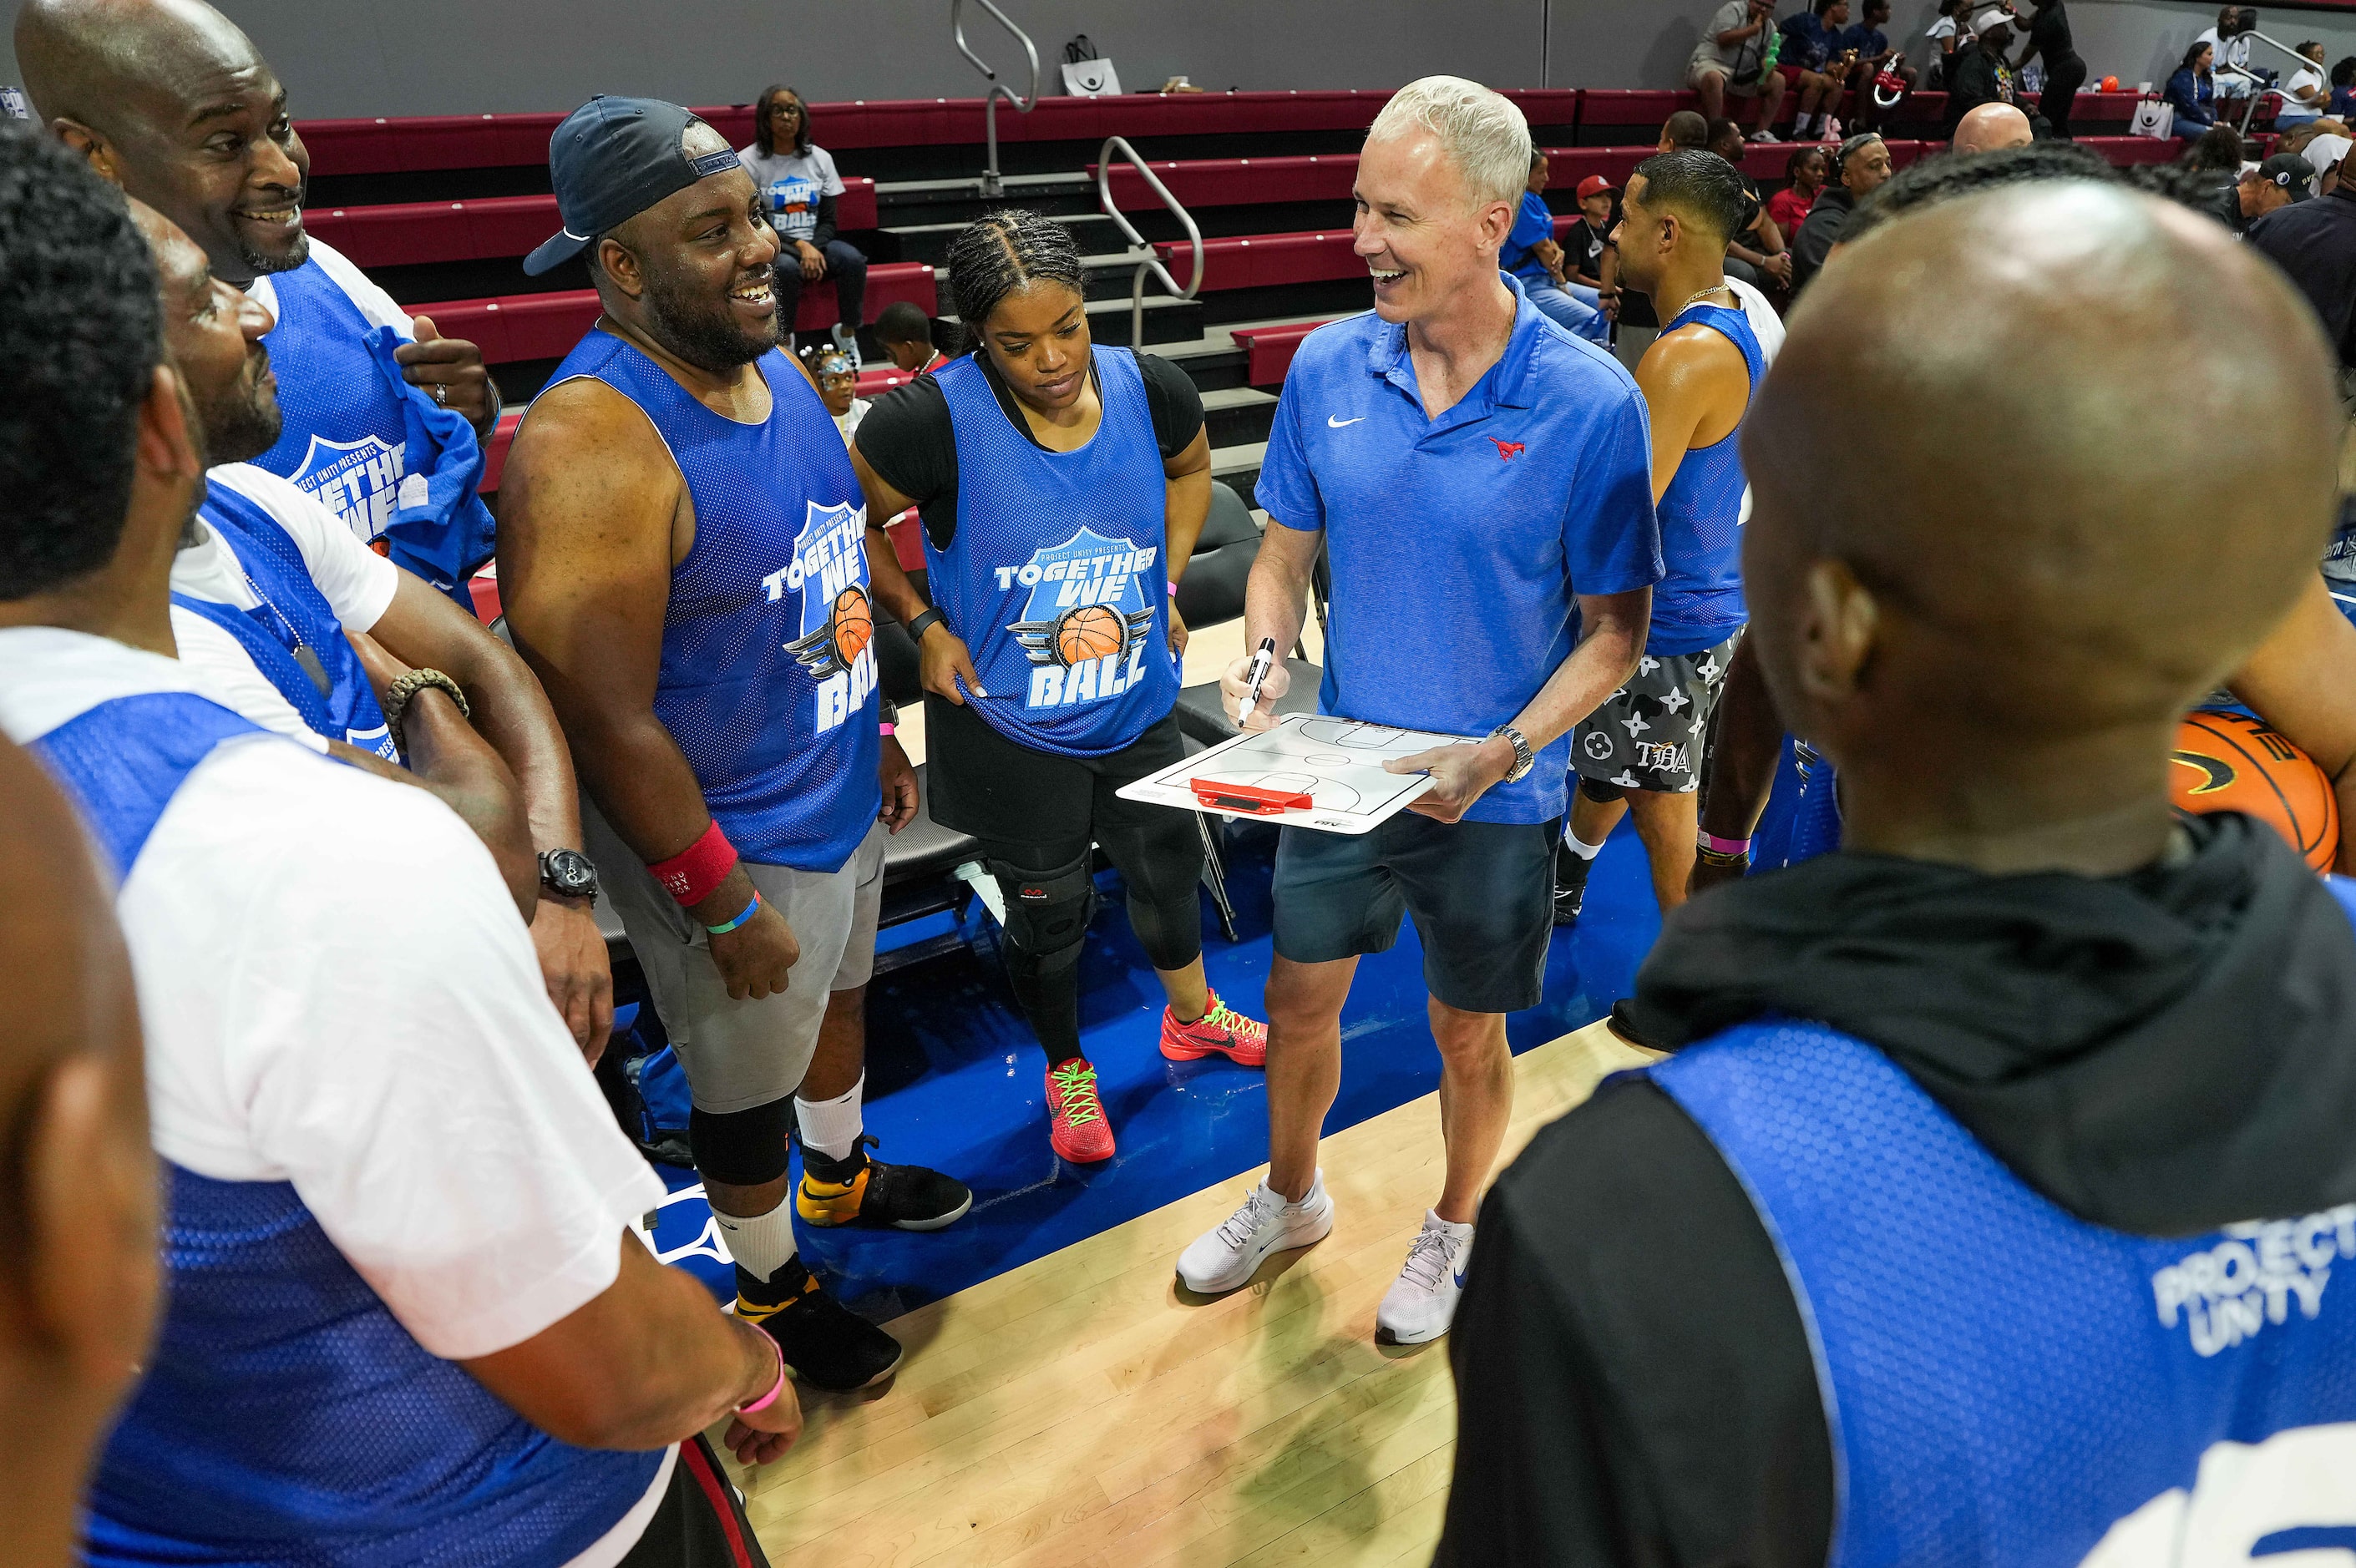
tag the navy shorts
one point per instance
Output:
(1482, 894)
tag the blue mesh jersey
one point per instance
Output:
(286, 1417)
(1698, 603)
(768, 681)
(293, 616)
(1054, 578)
(2339, 563)
(2005, 1383)
(354, 429)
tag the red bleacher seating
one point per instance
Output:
(878, 379)
(2122, 150)
(1238, 182)
(1268, 350)
(494, 460)
(405, 233)
(1260, 260)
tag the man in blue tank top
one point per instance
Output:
(685, 565)
(1997, 1206)
(380, 1344)
(384, 417)
(1643, 747)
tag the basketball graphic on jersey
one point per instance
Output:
(1088, 618)
(826, 582)
(854, 625)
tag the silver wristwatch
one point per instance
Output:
(1522, 760)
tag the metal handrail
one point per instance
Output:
(1152, 262)
(2259, 88)
(992, 185)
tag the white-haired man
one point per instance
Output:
(1480, 480)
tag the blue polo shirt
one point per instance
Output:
(1533, 223)
(1459, 544)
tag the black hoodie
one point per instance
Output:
(2162, 1053)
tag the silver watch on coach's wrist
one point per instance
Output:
(1522, 760)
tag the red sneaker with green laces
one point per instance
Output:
(1222, 1029)
(1076, 1128)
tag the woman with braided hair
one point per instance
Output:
(1060, 488)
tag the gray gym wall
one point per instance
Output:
(452, 57)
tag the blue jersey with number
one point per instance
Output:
(1054, 578)
(767, 682)
(1698, 603)
(2005, 1383)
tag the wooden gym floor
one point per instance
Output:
(1075, 1412)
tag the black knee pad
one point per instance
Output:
(1047, 913)
(741, 1148)
(1600, 790)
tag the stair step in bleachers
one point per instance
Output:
(1239, 415)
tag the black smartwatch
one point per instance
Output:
(568, 874)
(923, 623)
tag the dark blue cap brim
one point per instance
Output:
(554, 251)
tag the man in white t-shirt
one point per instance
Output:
(2231, 38)
(384, 417)
(267, 582)
(407, 1322)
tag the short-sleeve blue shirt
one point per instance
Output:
(1807, 42)
(1459, 544)
(1533, 223)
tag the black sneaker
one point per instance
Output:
(863, 1191)
(1570, 883)
(827, 1345)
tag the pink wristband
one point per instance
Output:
(1716, 846)
(887, 728)
(1174, 590)
(770, 1398)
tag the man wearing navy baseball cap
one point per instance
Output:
(683, 559)
(2263, 188)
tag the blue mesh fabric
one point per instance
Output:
(768, 681)
(286, 1418)
(1058, 557)
(1700, 603)
(122, 762)
(2004, 1381)
(1815, 813)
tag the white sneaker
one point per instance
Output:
(1764, 134)
(1421, 1302)
(847, 345)
(1228, 1257)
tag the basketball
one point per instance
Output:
(854, 625)
(1087, 633)
(2231, 761)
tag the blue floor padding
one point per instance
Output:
(956, 1082)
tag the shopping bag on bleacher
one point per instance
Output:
(1086, 75)
(2153, 119)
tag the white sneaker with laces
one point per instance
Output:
(1421, 1302)
(1227, 1257)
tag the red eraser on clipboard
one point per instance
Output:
(1248, 798)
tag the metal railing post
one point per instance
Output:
(992, 183)
(1152, 263)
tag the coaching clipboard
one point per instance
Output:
(1308, 771)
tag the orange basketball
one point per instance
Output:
(1087, 633)
(854, 625)
(2231, 761)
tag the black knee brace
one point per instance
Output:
(1047, 913)
(1601, 792)
(741, 1148)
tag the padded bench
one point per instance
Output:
(1260, 260)
(1269, 351)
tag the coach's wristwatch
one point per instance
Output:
(1523, 760)
(568, 874)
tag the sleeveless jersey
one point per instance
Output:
(1698, 603)
(767, 682)
(292, 620)
(2004, 1382)
(374, 450)
(2339, 563)
(286, 1417)
(1054, 578)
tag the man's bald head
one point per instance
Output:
(1991, 128)
(170, 101)
(2096, 580)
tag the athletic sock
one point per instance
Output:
(831, 1127)
(761, 1244)
(1577, 846)
(1801, 124)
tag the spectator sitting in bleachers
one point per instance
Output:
(2231, 40)
(2192, 91)
(802, 187)
(1816, 58)
(1756, 253)
(1583, 246)
(2215, 159)
(2343, 101)
(1859, 170)
(1875, 53)
(2277, 183)
(1531, 254)
(905, 333)
(1732, 60)
(2304, 95)
(1951, 32)
(1978, 71)
(2324, 155)
(1805, 171)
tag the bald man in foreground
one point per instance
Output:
(2057, 1179)
(78, 1275)
(1991, 128)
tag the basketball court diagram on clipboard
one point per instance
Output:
(1308, 771)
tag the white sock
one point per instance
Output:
(1577, 846)
(831, 1127)
(1801, 122)
(760, 1244)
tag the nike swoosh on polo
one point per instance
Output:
(1336, 424)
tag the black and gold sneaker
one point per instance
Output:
(826, 1344)
(863, 1191)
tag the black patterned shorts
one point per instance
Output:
(1648, 734)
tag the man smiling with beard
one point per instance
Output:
(683, 562)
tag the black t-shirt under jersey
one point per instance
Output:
(908, 439)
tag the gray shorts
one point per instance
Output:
(1648, 734)
(738, 1054)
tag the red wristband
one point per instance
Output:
(691, 875)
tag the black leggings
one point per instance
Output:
(2062, 79)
